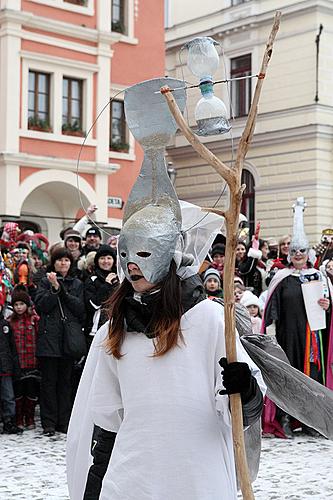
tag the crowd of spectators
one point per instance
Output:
(46, 290)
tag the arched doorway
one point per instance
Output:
(52, 206)
(248, 200)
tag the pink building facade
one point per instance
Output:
(61, 61)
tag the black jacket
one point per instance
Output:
(9, 361)
(50, 331)
(96, 292)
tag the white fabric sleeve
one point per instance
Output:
(82, 225)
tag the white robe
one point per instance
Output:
(174, 436)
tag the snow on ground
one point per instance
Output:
(32, 467)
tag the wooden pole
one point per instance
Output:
(233, 178)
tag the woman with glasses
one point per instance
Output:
(285, 309)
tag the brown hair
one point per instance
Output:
(165, 322)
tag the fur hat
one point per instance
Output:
(71, 233)
(249, 299)
(58, 254)
(212, 273)
(86, 261)
(19, 295)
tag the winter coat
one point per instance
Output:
(50, 331)
(96, 292)
(9, 362)
(24, 329)
(253, 271)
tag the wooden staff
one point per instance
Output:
(233, 178)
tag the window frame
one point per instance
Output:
(88, 9)
(124, 133)
(36, 93)
(57, 70)
(248, 204)
(70, 80)
(122, 18)
(241, 90)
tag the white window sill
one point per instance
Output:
(87, 10)
(126, 38)
(117, 155)
(50, 136)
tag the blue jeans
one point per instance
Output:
(7, 398)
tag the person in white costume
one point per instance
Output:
(153, 373)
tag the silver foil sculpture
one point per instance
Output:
(152, 217)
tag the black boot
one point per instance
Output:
(9, 427)
(309, 431)
(285, 424)
(49, 431)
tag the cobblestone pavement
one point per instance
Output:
(32, 467)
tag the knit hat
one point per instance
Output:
(249, 299)
(103, 251)
(218, 248)
(93, 230)
(212, 273)
(58, 254)
(21, 296)
(71, 233)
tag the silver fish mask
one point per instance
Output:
(148, 239)
(152, 216)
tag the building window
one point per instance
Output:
(72, 106)
(248, 200)
(39, 101)
(118, 129)
(241, 89)
(84, 3)
(118, 16)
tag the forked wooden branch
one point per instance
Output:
(233, 178)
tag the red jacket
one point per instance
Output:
(25, 330)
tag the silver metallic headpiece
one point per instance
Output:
(152, 218)
(299, 240)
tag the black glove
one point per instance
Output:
(236, 378)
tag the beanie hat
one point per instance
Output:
(58, 254)
(218, 248)
(21, 296)
(249, 299)
(93, 230)
(212, 273)
(71, 233)
(103, 251)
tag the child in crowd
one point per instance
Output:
(239, 290)
(212, 283)
(218, 256)
(252, 303)
(9, 368)
(24, 324)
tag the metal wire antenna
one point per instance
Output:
(78, 162)
(224, 185)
